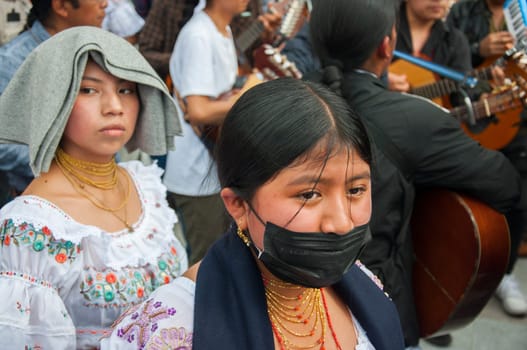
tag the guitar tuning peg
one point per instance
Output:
(269, 51)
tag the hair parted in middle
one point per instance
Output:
(280, 122)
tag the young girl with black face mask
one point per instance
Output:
(294, 165)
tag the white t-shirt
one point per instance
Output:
(203, 62)
(122, 19)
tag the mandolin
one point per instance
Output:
(461, 249)
(483, 126)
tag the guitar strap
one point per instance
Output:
(391, 151)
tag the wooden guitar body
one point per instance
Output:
(461, 249)
(496, 133)
(417, 77)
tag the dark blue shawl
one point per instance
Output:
(231, 311)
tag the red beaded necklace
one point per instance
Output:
(329, 321)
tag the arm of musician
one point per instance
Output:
(496, 44)
(398, 82)
(271, 22)
(203, 110)
(449, 158)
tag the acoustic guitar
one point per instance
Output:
(428, 84)
(461, 249)
(484, 127)
(499, 130)
(294, 13)
(493, 133)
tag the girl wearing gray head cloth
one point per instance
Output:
(88, 237)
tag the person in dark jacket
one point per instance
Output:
(434, 149)
(422, 33)
(482, 21)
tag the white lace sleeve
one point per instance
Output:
(32, 314)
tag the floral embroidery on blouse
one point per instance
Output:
(39, 239)
(22, 310)
(171, 338)
(142, 323)
(128, 285)
(32, 347)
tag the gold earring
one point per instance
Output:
(243, 236)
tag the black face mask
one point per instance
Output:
(313, 260)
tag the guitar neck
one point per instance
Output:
(439, 88)
(487, 107)
(247, 38)
(446, 86)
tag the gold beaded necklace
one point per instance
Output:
(73, 170)
(80, 168)
(288, 312)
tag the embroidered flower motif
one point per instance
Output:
(23, 310)
(171, 338)
(370, 274)
(32, 347)
(145, 322)
(129, 285)
(61, 258)
(110, 278)
(46, 231)
(26, 234)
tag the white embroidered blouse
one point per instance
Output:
(166, 321)
(62, 283)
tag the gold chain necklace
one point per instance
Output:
(79, 185)
(288, 312)
(105, 172)
(285, 314)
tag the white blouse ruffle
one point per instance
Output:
(62, 283)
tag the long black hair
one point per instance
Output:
(275, 123)
(346, 32)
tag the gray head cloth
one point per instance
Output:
(37, 102)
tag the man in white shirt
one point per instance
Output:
(203, 66)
